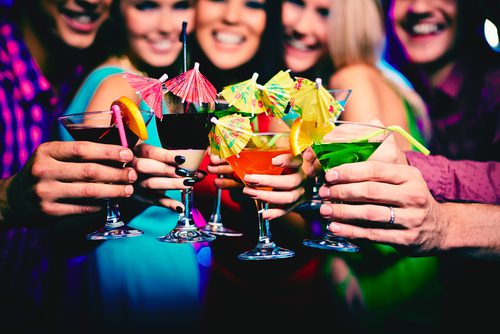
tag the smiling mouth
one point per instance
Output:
(80, 17)
(300, 45)
(424, 28)
(228, 38)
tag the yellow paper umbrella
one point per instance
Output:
(313, 102)
(245, 96)
(276, 93)
(229, 135)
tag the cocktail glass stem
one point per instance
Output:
(114, 227)
(265, 249)
(186, 230)
(215, 225)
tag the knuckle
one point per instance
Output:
(88, 191)
(89, 172)
(79, 149)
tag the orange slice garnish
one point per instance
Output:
(132, 117)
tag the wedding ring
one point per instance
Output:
(393, 216)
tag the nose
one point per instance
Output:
(420, 6)
(305, 23)
(165, 24)
(232, 12)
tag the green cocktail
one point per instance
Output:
(348, 142)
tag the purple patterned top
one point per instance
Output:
(28, 103)
(459, 180)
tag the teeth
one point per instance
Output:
(164, 44)
(83, 19)
(228, 38)
(424, 28)
(298, 45)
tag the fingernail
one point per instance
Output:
(129, 190)
(251, 178)
(132, 176)
(189, 182)
(181, 171)
(126, 155)
(179, 209)
(325, 210)
(331, 176)
(324, 192)
(180, 159)
(276, 162)
(334, 227)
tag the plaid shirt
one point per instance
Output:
(28, 103)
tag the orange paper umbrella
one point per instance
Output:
(148, 89)
(192, 86)
(313, 102)
(230, 135)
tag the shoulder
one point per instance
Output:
(358, 74)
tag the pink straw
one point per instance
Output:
(119, 122)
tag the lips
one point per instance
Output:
(300, 45)
(161, 46)
(83, 22)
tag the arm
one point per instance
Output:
(462, 180)
(422, 225)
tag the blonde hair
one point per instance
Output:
(355, 32)
(356, 35)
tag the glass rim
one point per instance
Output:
(381, 127)
(98, 113)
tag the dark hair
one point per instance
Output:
(267, 61)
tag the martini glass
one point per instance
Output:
(348, 142)
(256, 158)
(341, 95)
(95, 126)
(215, 225)
(184, 130)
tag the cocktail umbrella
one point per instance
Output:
(229, 135)
(192, 86)
(316, 106)
(276, 93)
(148, 89)
(313, 102)
(245, 95)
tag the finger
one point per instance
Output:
(158, 154)
(275, 197)
(159, 199)
(91, 172)
(282, 182)
(63, 209)
(379, 214)
(227, 183)
(154, 167)
(367, 192)
(166, 183)
(273, 213)
(387, 236)
(368, 171)
(216, 160)
(220, 169)
(287, 160)
(75, 190)
(85, 151)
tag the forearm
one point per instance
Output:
(472, 229)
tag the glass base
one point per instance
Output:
(266, 252)
(105, 233)
(331, 242)
(219, 229)
(181, 235)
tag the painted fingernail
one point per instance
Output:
(181, 171)
(189, 182)
(180, 159)
(179, 209)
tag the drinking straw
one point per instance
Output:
(184, 46)
(119, 122)
(401, 131)
(216, 121)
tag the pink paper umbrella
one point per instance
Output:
(148, 89)
(192, 86)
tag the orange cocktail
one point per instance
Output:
(255, 161)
